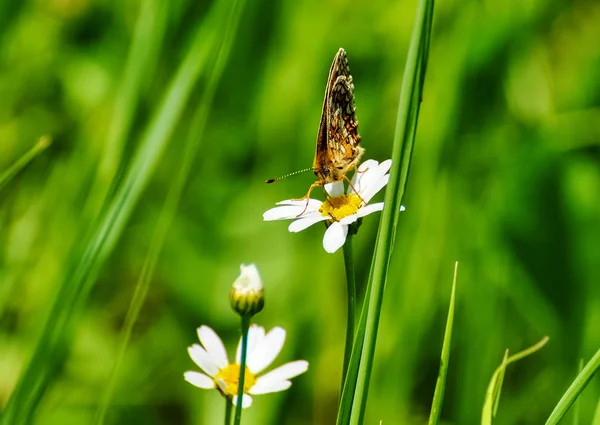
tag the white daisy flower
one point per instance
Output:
(341, 209)
(219, 374)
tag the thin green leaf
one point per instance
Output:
(574, 390)
(440, 386)
(492, 397)
(406, 126)
(42, 143)
(499, 383)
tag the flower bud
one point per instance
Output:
(247, 295)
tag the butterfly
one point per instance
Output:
(338, 142)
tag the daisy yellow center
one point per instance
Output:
(231, 374)
(342, 206)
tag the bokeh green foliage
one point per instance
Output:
(505, 179)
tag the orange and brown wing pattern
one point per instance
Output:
(338, 141)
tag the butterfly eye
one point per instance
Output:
(340, 168)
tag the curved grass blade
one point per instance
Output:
(42, 143)
(169, 209)
(492, 395)
(52, 347)
(143, 55)
(576, 409)
(440, 386)
(575, 389)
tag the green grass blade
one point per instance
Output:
(492, 397)
(498, 386)
(170, 206)
(440, 386)
(143, 56)
(349, 387)
(51, 349)
(576, 409)
(42, 143)
(574, 390)
(406, 125)
(596, 420)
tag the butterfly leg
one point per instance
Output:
(356, 170)
(307, 197)
(354, 189)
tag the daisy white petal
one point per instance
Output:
(334, 189)
(203, 360)
(374, 187)
(367, 165)
(303, 223)
(350, 219)
(256, 335)
(287, 371)
(268, 386)
(370, 209)
(313, 204)
(386, 165)
(370, 178)
(213, 346)
(335, 236)
(246, 401)
(222, 385)
(282, 213)
(377, 172)
(270, 347)
(199, 380)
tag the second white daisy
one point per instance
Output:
(219, 374)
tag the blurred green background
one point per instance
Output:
(505, 178)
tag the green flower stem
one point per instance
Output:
(351, 308)
(238, 408)
(228, 405)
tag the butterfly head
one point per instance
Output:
(330, 173)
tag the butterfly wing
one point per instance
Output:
(343, 141)
(338, 140)
(321, 153)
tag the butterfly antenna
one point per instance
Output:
(287, 175)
